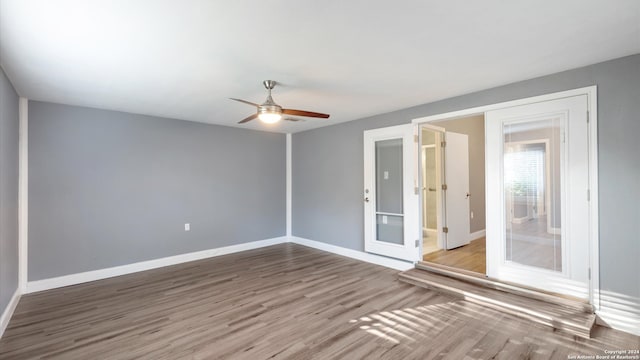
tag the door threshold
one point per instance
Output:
(554, 312)
(448, 268)
(522, 290)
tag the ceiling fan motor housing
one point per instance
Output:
(269, 106)
(269, 109)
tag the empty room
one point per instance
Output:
(319, 179)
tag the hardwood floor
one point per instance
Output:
(470, 257)
(283, 301)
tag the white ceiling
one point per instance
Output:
(184, 58)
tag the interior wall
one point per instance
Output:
(108, 188)
(9, 133)
(328, 166)
(473, 126)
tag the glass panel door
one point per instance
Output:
(537, 204)
(391, 201)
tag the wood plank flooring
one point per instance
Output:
(470, 257)
(281, 302)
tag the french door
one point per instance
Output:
(391, 200)
(537, 195)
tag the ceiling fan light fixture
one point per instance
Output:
(270, 117)
(269, 112)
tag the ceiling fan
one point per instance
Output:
(269, 112)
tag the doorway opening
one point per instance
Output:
(453, 193)
(431, 159)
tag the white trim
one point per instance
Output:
(477, 235)
(288, 180)
(620, 312)
(8, 311)
(73, 279)
(23, 193)
(354, 254)
(594, 211)
(589, 91)
(437, 129)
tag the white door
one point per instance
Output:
(391, 200)
(537, 195)
(456, 174)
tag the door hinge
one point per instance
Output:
(589, 273)
(588, 195)
(416, 190)
(417, 242)
(445, 230)
(587, 116)
(444, 186)
(443, 144)
(416, 138)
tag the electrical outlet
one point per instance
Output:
(187, 227)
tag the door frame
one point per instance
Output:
(440, 217)
(592, 105)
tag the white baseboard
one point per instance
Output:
(554, 231)
(8, 311)
(477, 235)
(79, 278)
(620, 312)
(73, 279)
(521, 220)
(354, 254)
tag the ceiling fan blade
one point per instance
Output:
(245, 101)
(304, 113)
(249, 118)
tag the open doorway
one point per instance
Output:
(430, 158)
(453, 193)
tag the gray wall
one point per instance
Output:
(328, 165)
(108, 188)
(9, 132)
(473, 126)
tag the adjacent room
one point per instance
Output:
(468, 250)
(319, 180)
